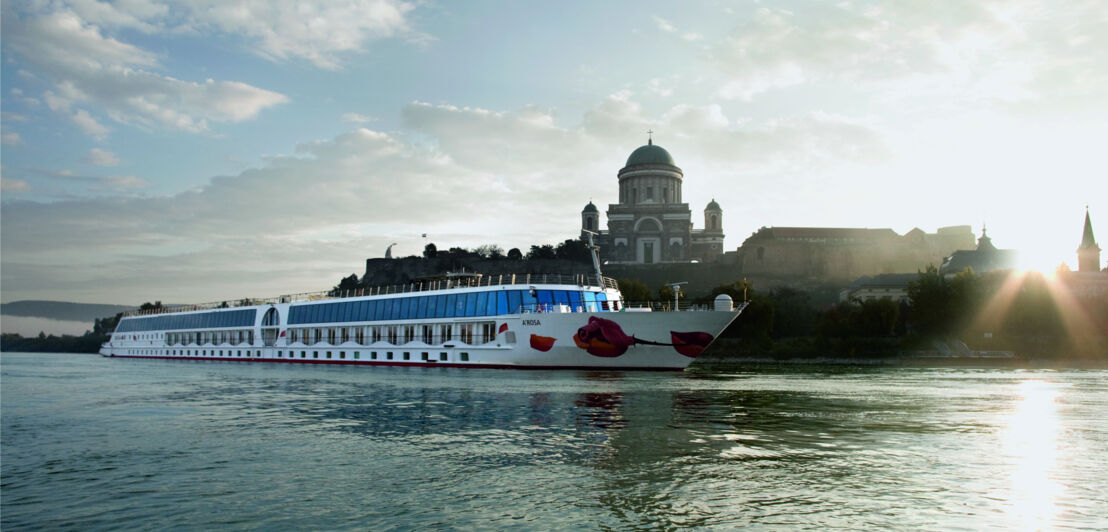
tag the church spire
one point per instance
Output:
(1087, 240)
(1088, 254)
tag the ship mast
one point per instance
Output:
(593, 251)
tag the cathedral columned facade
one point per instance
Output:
(651, 224)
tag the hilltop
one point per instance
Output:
(62, 310)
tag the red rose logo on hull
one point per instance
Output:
(603, 338)
(690, 344)
(542, 343)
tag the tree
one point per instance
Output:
(490, 251)
(573, 249)
(346, 284)
(150, 306)
(929, 296)
(738, 290)
(633, 290)
(546, 251)
(665, 293)
(793, 315)
(515, 254)
(430, 250)
(876, 317)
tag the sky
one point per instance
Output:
(194, 151)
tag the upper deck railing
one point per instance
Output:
(451, 281)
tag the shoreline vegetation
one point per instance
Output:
(995, 318)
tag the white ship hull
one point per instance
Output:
(531, 340)
(467, 323)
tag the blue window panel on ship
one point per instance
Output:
(480, 304)
(574, 299)
(449, 309)
(460, 305)
(498, 303)
(402, 314)
(590, 301)
(544, 297)
(561, 297)
(432, 307)
(514, 301)
(363, 310)
(421, 311)
(529, 301)
(601, 300)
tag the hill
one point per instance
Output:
(62, 310)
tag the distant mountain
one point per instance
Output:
(62, 310)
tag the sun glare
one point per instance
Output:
(1031, 449)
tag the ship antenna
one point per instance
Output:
(595, 258)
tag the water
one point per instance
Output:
(94, 443)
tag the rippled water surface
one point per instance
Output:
(95, 443)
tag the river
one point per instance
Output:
(95, 443)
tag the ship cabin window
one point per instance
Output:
(428, 334)
(328, 354)
(388, 355)
(464, 357)
(407, 355)
(357, 355)
(279, 353)
(315, 354)
(303, 354)
(425, 356)
(373, 355)
(442, 356)
(342, 354)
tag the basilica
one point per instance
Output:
(651, 224)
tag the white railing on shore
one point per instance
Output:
(582, 280)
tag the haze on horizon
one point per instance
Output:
(200, 151)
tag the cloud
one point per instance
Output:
(664, 25)
(98, 157)
(90, 69)
(89, 125)
(971, 53)
(11, 139)
(12, 186)
(475, 175)
(355, 118)
(319, 32)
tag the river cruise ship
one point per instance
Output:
(459, 320)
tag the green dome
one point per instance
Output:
(713, 206)
(650, 154)
(590, 208)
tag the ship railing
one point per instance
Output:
(427, 285)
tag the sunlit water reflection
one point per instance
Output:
(97, 443)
